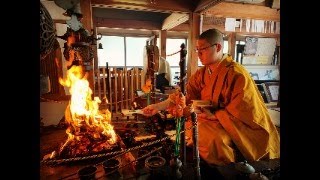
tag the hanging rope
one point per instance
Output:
(173, 53)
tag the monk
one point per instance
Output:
(238, 119)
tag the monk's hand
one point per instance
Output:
(150, 110)
(188, 110)
(207, 114)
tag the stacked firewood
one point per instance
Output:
(85, 144)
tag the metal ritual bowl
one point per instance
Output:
(156, 166)
(111, 166)
(155, 162)
(87, 172)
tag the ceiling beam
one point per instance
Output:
(206, 4)
(244, 11)
(125, 32)
(165, 6)
(126, 24)
(174, 20)
(275, 4)
(182, 27)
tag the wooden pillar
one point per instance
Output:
(163, 43)
(95, 61)
(95, 50)
(201, 24)
(232, 44)
(194, 24)
(86, 11)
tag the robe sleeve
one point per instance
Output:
(193, 87)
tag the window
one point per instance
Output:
(134, 48)
(239, 55)
(123, 51)
(112, 52)
(117, 54)
(225, 46)
(173, 45)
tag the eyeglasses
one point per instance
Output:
(201, 49)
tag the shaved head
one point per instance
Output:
(212, 36)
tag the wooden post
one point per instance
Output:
(151, 70)
(131, 85)
(109, 88)
(182, 64)
(196, 156)
(104, 84)
(98, 81)
(115, 90)
(86, 21)
(143, 78)
(136, 72)
(194, 24)
(121, 88)
(232, 44)
(163, 43)
(95, 51)
(126, 87)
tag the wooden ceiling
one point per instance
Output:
(245, 11)
(171, 15)
(163, 14)
(168, 6)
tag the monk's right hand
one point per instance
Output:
(150, 110)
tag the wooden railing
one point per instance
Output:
(118, 86)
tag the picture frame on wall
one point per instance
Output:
(271, 90)
(263, 72)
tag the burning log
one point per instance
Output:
(86, 138)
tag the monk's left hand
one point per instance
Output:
(206, 114)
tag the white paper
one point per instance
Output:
(248, 25)
(277, 27)
(259, 26)
(266, 46)
(249, 60)
(230, 24)
(272, 27)
(129, 112)
(253, 25)
(274, 91)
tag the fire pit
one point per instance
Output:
(89, 137)
(89, 129)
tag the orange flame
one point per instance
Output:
(83, 111)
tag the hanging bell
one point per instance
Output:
(100, 46)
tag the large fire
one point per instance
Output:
(89, 129)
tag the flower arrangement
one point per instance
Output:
(147, 90)
(178, 103)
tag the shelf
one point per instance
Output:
(242, 35)
(264, 65)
